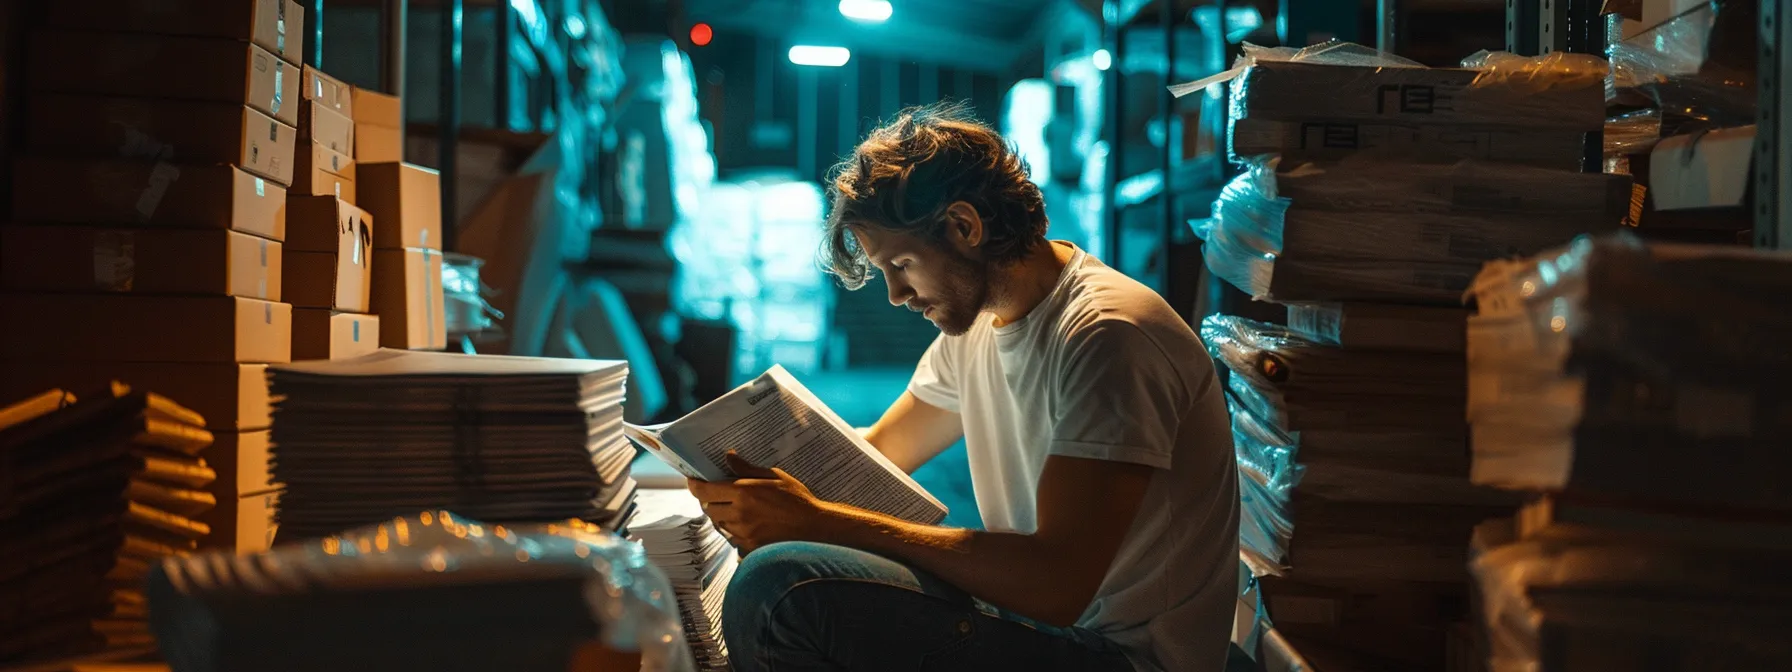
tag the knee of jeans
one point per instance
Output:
(765, 576)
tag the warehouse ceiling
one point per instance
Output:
(979, 35)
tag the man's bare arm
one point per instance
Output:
(912, 431)
(1085, 509)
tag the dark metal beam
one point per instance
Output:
(1522, 24)
(1773, 163)
(314, 38)
(448, 145)
(1116, 44)
(1166, 106)
(1390, 26)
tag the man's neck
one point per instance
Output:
(1019, 287)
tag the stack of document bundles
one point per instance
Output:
(93, 491)
(697, 559)
(497, 438)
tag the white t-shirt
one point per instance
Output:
(1103, 368)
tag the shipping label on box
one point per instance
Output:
(162, 66)
(161, 130)
(323, 172)
(1547, 99)
(231, 397)
(146, 261)
(1332, 141)
(127, 192)
(326, 127)
(275, 25)
(327, 334)
(407, 201)
(407, 295)
(147, 328)
(329, 92)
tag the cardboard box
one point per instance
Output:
(407, 295)
(242, 524)
(1708, 170)
(329, 249)
(117, 191)
(275, 25)
(146, 261)
(146, 328)
(323, 172)
(162, 66)
(407, 202)
(1289, 91)
(138, 128)
(327, 334)
(1336, 140)
(378, 144)
(241, 460)
(329, 92)
(231, 397)
(326, 127)
(377, 109)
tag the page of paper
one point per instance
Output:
(774, 421)
(652, 439)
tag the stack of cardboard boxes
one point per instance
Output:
(406, 201)
(146, 242)
(329, 242)
(1371, 197)
(1639, 392)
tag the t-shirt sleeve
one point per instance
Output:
(936, 378)
(1119, 397)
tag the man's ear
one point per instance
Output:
(964, 226)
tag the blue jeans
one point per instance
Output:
(808, 606)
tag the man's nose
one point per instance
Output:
(899, 292)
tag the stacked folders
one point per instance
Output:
(93, 491)
(698, 561)
(499, 439)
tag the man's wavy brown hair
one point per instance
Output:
(906, 173)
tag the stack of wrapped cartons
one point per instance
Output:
(146, 241)
(99, 489)
(329, 241)
(406, 201)
(1638, 390)
(1373, 191)
(1682, 106)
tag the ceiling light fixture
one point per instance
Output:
(829, 57)
(866, 10)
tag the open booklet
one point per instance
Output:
(773, 421)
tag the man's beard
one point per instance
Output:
(955, 311)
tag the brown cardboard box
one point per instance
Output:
(276, 25)
(232, 397)
(146, 261)
(1290, 91)
(139, 128)
(1331, 141)
(326, 127)
(146, 328)
(407, 295)
(241, 460)
(161, 66)
(329, 249)
(322, 172)
(327, 334)
(242, 524)
(117, 191)
(328, 91)
(378, 144)
(377, 109)
(407, 201)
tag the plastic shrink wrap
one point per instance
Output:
(1697, 67)
(1373, 230)
(1593, 366)
(427, 591)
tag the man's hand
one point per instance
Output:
(764, 506)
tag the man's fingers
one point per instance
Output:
(710, 492)
(744, 469)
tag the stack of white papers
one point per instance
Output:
(697, 560)
(495, 438)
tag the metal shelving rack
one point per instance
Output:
(1772, 161)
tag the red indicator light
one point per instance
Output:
(701, 34)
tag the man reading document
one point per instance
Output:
(1100, 448)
